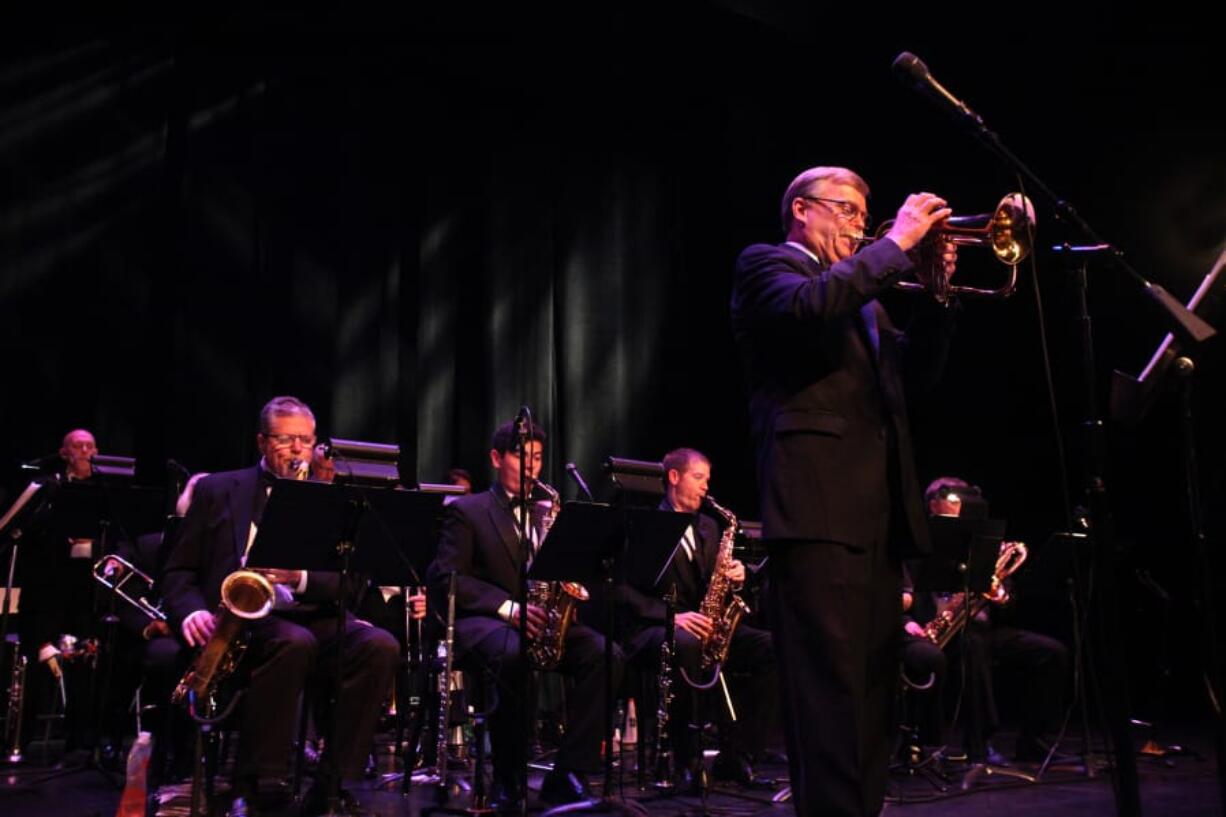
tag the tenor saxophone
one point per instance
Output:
(557, 599)
(245, 597)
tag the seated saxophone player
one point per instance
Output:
(687, 473)
(480, 542)
(297, 639)
(1039, 662)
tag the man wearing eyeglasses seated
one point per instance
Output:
(840, 499)
(299, 636)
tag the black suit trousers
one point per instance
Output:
(836, 614)
(284, 651)
(481, 649)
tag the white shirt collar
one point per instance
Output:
(805, 250)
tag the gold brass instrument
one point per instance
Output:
(559, 601)
(128, 582)
(1008, 232)
(950, 621)
(245, 596)
(721, 604)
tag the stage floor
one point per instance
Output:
(1184, 786)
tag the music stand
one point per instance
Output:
(96, 509)
(316, 526)
(589, 543)
(19, 517)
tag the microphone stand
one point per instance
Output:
(1107, 650)
(523, 426)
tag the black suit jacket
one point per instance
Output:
(479, 541)
(827, 409)
(211, 543)
(645, 606)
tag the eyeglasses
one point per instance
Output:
(286, 440)
(844, 210)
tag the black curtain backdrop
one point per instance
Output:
(419, 220)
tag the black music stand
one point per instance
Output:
(316, 526)
(99, 508)
(589, 543)
(399, 534)
(17, 519)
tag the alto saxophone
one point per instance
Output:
(557, 599)
(722, 605)
(950, 621)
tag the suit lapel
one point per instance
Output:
(504, 522)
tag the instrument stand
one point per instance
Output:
(913, 763)
(590, 545)
(478, 804)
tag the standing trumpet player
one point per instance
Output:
(840, 499)
(298, 637)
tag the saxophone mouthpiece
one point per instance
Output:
(301, 469)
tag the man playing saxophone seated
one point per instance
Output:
(481, 543)
(1040, 660)
(687, 473)
(296, 639)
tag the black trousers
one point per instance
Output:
(286, 650)
(583, 660)
(750, 654)
(925, 667)
(1039, 660)
(836, 617)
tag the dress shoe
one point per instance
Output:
(504, 797)
(686, 782)
(316, 801)
(735, 768)
(995, 758)
(562, 786)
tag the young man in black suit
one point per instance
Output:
(296, 639)
(480, 542)
(687, 473)
(840, 498)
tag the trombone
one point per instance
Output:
(1008, 231)
(115, 573)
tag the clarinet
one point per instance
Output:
(664, 766)
(445, 652)
(16, 701)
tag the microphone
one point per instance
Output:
(578, 478)
(911, 70)
(522, 418)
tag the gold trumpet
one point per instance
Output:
(1008, 231)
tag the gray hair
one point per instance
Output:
(282, 406)
(803, 185)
